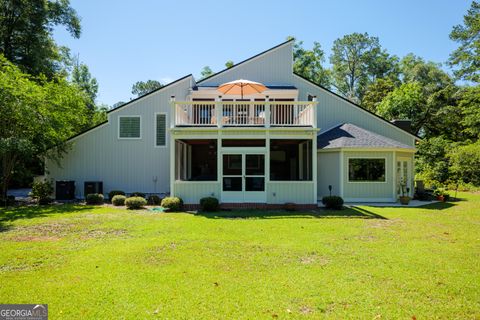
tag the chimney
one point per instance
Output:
(403, 124)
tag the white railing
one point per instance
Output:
(244, 113)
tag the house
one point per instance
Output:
(294, 142)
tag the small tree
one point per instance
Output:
(36, 117)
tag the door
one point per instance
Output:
(404, 176)
(243, 177)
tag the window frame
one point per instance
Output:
(130, 138)
(155, 130)
(366, 158)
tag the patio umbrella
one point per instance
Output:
(241, 87)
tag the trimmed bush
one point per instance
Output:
(42, 191)
(94, 198)
(135, 202)
(137, 194)
(118, 200)
(154, 200)
(172, 203)
(209, 204)
(114, 193)
(333, 202)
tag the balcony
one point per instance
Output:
(244, 114)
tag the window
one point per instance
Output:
(129, 127)
(161, 130)
(366, 170)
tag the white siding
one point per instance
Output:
(373, 191)
(271, 68)
(128, 165)
(328, 171)
(192, 191)
(299, 192)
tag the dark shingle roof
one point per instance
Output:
(348, 135)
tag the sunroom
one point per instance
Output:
(252, 170)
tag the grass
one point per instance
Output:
(364, 263)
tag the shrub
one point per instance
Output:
(94, 198)
(42, 191)
(209, 204)
(333, 202)
(135, 202)
(118, 200)
(154, 200)
(137, 194)
(114, 193)
(172, 203)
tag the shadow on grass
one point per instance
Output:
(347, 213)
(430, 206)
(10, 214)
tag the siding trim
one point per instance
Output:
(337, 96)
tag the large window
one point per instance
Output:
(161, 130)
(196, 160)
(129, 127)
(290, 160)
(366, 170)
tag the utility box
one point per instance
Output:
(64, 190)
(92, 187)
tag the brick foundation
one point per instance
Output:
(256, 206)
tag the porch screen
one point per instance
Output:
(366, 170)
(290, 160)
(161, 126)
(129, 127)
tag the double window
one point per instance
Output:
(130, 127)
(366, 170)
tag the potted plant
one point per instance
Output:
(440, 194)
(404, 198)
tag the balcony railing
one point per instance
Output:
(244, 113)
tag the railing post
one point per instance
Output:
(173, 116)
(267, 113)
(314, 111)
(219, 111)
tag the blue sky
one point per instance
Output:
(126, 41)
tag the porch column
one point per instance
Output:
(314, 166)
(172, 164)
(219, 111)
(267, 113)
(314, 112)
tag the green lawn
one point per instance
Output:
(367, 263)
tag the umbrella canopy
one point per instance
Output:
(241, 87)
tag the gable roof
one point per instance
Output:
(347, 135)
(356, 105)
(246, 60)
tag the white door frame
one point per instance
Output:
(405, 163)
(243, 196)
